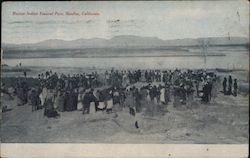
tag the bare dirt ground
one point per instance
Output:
(226, 121)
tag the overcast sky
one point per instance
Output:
(165, 20)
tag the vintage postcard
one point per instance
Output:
(125, 79)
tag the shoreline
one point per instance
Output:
(122, 56)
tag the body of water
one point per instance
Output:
(232, 60)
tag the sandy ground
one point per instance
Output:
(225, 121)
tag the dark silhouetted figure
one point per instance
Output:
(136, 124)
(224, 84)
(235, 87)
(25, 74)
(230, 84)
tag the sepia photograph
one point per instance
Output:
(120, 72)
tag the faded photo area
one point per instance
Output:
(125, 72)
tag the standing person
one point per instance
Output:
(59, 100)
(101, 105)
(148, 98)
(81, 91)
(146, 76)
(86, 103)
(167, 93)
(153, 94)
(25, 74)
(210, 86)
(230, 83)
(43, 95)
(93, 100)
(75, 99)
(224, 84)
(137, 97)
(177, 97)
(49, 110)
(116, 96)
(183, 94)
(197, 84)
(24, 93)
(70, 100)
(122, 98)
(205, 97)
(47, 74)
(162, 96)
(214, 90)
(190, 95)
(109, 102)
(129, 101)
(107, 78)
(235, 88)
(42, 76)
(34, 100)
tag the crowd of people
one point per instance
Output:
(114, 90)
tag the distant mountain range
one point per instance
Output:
(124, 41)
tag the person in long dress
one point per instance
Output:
(34, 100)
(109, 102)
(214, 90)
(235, 91)
(138, 97)
(148, 96)
(101, 105)
(70, 100)
(80, 98)
(230, 84)
(86, 103)
(92, 108)
(59, 101)
(49, 109)
(43, 95)
(167, 93)
(130, 101)
(162, 96)
(177, 97)
(190, 94)
(224, 84)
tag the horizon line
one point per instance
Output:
(126, 35)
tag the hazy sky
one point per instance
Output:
(165, 20)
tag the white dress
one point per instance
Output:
(43, 95)
(162, 96)
(110, 104)
(155, 100)
(92, 108)
(101, 105)
(79, 99)
(79, 103)
(148, 96)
